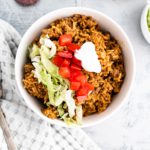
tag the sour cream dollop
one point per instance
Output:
(88, 57)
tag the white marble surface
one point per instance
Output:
(129, 128)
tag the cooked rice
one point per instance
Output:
(107, 83)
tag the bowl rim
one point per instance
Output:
(25, 36)
(143, 23)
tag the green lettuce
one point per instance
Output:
(34, 51)
(70, 103)
(79, 114)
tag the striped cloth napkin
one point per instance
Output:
(27, 130)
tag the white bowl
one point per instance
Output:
(107, 24)
(144, 26)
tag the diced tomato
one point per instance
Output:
(74, 85)
(89, 86)
(76, 61)
(71, 79)
(64, 72)
(81, 99)
(74, 74)
(75, 67)
(65, 39)
(82, 91)
(81, 78)
(72, 47)
(85, 89)
(57, 60)
(65, 63)
(65, 54)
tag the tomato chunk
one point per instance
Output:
(89, 86)
(76, 61)
(64, 72)
(65, 63)
(85, 89)
(81, 78)
(57, 60)
(65, 54)
(74, 85)
(75, 67)
(81, 99)
(73, 47)
(74, 74)
(65, 39)
(82, 91)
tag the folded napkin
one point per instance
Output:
(28, 131)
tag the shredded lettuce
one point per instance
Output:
(34, 51)
(35, 59)
(45, 78)
(60, 96)
(50, 86)
(49, 66)
(46, 51)
(79, 114)
(48, 47)
(37, 70)
(60, 110)
(70, 103)
(68, 120)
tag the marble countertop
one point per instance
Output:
(129, 128)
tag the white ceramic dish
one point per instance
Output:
(107, 24)
(144, 26)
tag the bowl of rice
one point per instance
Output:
(75, 67)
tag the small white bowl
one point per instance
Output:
(144, 26)
(105, 23)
